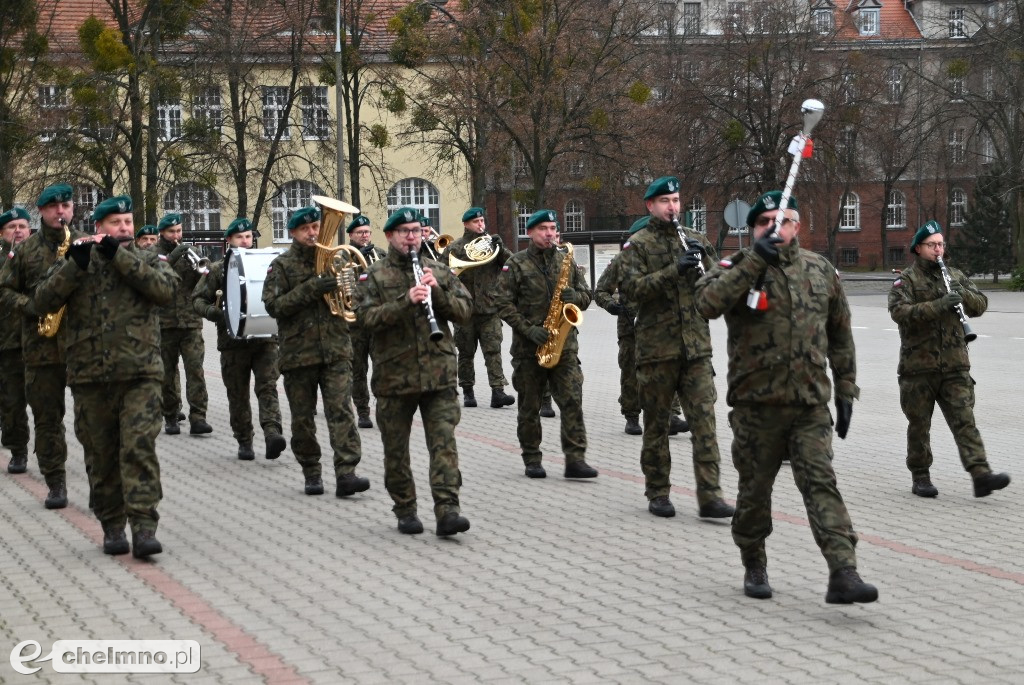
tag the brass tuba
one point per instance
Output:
(479, 251)
(561, 318)
(344, 262)
(50, 323)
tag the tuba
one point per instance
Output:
(479, 251)
(344, 262)
(50, 323)
(561, 318)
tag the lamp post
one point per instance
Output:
(338, 102)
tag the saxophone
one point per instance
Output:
(561, 317)
(50, 324)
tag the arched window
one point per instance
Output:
(523, 213)
(573, 215)
(698, 210)
(292, 196)
(418, 194)
(896, 211)
(198, 205)
(957, 206)
(86, 199)
(849, 218)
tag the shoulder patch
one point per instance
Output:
(363, 276)
(626, 245)
(897, 283)
(162, 257)
(270, 268)
(725, 263)
(504, 267)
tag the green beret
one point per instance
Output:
(423, 219)
(472, 213)
(360, 220)
(301, 217)
(930, 228)
(766, 203)
(168, 221)
(239, 225)
(61, 192)
(639, 224)
(12, 215)
(540, 216)
(119, 204)
(148, 229)
(404, 215)
(666, 185)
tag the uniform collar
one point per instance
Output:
(397, 258)
(52, 235)
(789, 253)
(926, 265)
(304, 253)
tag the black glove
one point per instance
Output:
(615, 308)
(80, 252)
(844, 410)
(538, 335)
(108, 246)
(950, 299)
(688, 260)
(569, 295)
(325, 283)
(212, 314)
(766, 249)
(694, 244)
(176, 253)
(496, 241)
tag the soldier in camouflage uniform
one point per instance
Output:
(525, 292)
(779, 390)
(146, 237)
(113, 290)
(45, 370)
(243, 358)
(181, 335)
(411, 371)
(315, 352)
(485, 326)
(673, 350)
(360, 237)
(13, 417)
(934, 364)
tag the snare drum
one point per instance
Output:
(243, 292)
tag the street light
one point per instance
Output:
(338, 102)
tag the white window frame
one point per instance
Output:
(957, 22)
(574, 216)
(849, 217)
(847, 145)
(869, 21)
(168, 120)
(316, 115)
(736, 16)
(957, 207)
(698, 210)
(823, 21)
(894, 83)
(54, 107)
(86, 199)
(418, 193)
(955, 146)
(956, 87)
(198, 205)
(291, 196)
(523, 213)
(275, 99)
(896, 211)
(691, 25)
(208, 108)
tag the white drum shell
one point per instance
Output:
(244, 275)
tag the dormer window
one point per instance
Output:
(868, 20)
(822, 21)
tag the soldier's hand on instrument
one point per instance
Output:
(80, 252)
(30, 311)
(419, 293)
(538, 335)
(688, 260)
(496, 241)
(569, 295)
(615, 308)
(212, 314)
(325, 283)
(176, 253)
(694, 244)
(766, 248)
(951, 299)
(428, 278)
(108, 246)
(844, 411)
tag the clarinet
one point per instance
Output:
(686, 246)
(428, 307)
(969, 335)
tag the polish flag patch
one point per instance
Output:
(163, 257)
(269, 269)
(363, 277)
(897, 283)
(625, 245)
(504, 268)
(725, 263)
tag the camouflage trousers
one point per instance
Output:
(360, 369)
(954, 393)
(44, 390)
(694, 381)
(237, 364)
(439, 413)
(117, 424)
(186, 343)
(13, 415)
(485, 330)
(629, 393)
(565, 382)
(762, 437)
(334, 382)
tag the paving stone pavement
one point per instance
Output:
(557, 581)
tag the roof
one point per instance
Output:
(895, 21)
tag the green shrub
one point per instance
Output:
(1017, 279)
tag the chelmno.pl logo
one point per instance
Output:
(109, 656)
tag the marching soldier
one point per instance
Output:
(934, 365)
(360, 237)
(45, 369)
(528, 282)
(673, 350)
(113, 290)
(181, 335)
(146, 237)
(240, 359)
(14, 418)
(412, 371)
(315, 352)
(779, 391)
(485, 326)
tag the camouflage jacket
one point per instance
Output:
(604, 294)
(10, 326)
(204, 297)
(405, 361)
(480, 281)
(308, 334)
(668, 325)
(524, 295)
(18, 280)
(781, 355)
(111, 327)
(179, 313)
(931, 337)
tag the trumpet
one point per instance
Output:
(198, 262)
(969, 335)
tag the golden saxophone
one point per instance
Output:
(329, 258)
(50, 323)
(561, 318)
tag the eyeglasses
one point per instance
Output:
(934, 246)
(765, 220)
(407, 231)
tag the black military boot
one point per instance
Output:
(57, 497)
(633, 426)
(923, 487)
(661, 506)
(364, 419)
(452, 523)
(171, 426)
(846, 587)
(18, 463)
(579, 469)
(275, 445)
(468, 398)
(181, 416)
(716, 509)
(545, 408)
(755, 583)
(314, 485)
(677, 425)
(986, 483)
(410, 525)
(350, 484)
(114, 539)
(245, 452)
(199, 427)
(145, 544)
(535, 471)
(499, 399)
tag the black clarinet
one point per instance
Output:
(969, 335)
(417, 271)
